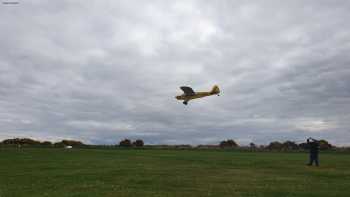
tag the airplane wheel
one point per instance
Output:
(185, 102)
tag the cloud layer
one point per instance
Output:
(103, 71)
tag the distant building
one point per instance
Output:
(68, 147)
(208, 146)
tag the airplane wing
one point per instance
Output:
(187, 90)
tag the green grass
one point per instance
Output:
(183, 173)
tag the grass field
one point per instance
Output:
(183, 173)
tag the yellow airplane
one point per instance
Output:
(189, 94)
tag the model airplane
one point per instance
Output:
(189, 94)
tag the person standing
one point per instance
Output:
(314, 146)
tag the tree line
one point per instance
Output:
(225, 144)
(63, 143)
(32, 142)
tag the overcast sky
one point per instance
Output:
(101, 71)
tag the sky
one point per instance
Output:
(102, 71)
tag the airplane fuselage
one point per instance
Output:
(196, 95)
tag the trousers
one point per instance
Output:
(314, 158)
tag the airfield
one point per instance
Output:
(34, 172)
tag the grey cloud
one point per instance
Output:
(103, 71)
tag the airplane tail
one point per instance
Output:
(215, 90)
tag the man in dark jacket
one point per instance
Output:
(314, 149)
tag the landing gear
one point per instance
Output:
(218, 94)
(185, 102)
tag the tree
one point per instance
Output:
(274, 146)
(21, 141)
(324, 145)
(228, 144)
(46, 143)
(252, 145)
(59, 144)
(125, 143)
(289, 145)
(304, 146)
(138, 143)
(72, 143)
